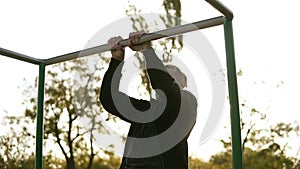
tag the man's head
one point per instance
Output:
(177, 74)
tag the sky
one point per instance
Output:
(266, 35)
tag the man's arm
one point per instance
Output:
(159, 76)
(110, 96)
(160, 79)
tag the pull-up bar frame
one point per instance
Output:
(226, 20)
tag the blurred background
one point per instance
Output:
(266, 44)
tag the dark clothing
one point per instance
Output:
(174, 102)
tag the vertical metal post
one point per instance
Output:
(237, 153)
(40, 118)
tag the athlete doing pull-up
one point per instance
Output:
(179, 108)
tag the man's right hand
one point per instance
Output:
(134, 37)
(117, 51)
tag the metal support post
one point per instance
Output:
(237, 153)
(221, 8)
(40, 119)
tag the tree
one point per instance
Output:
(261, 144)
(16, 144)
(196, 163)
(63, 107)
(170, 45)
(262, 147)
(66, 101)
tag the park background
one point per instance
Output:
(266, 44)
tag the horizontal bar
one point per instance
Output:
(222, 8)
(19, 56)
(147, 37)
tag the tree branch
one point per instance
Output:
(246, 137)
(58, 140)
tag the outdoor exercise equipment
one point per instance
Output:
(226, 20)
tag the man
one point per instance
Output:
(168, 119)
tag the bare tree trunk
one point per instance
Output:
(92, 155)
(70, 163)
(91, 159)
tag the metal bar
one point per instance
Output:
(222, 8)
(147, 37)
(19, 56)
(40, 118)
(237, 153)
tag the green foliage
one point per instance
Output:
(267, 158)
(170, 45)
(196, 163)
(71, 93)
(17, 144)
(171, 19)
(264, 147)
(221, 160)
(67, 100)
(139, 23)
